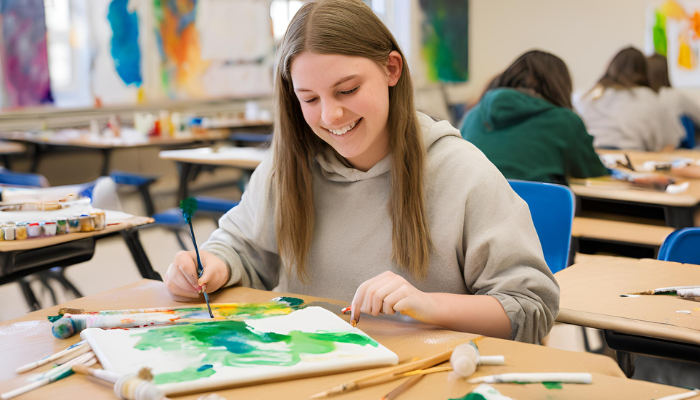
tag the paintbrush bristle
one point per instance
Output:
(188, 207)
(646, 292)
(145, 374)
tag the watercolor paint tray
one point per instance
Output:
(213, 355)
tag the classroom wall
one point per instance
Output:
(585, 34)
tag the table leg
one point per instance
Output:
(184, 169)
(6, 161)
(626, 362)
(106, 156)
(131, 237)
(36, 158)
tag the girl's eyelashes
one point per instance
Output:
(350, 91)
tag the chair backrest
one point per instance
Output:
(552, 211)
(26, 179)
(682, 246)
(689, 141)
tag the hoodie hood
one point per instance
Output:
(502, 108)
(336, 170)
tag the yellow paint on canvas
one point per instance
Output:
(671, 9)
(685, 55)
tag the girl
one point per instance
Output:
(524, 124)
(623, 112)
(677, 102)
(365, 199)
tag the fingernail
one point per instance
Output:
(354, 323)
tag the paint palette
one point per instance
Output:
(211, 355)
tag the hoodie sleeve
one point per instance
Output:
(245, 239)
(580, 157)
(503, 256)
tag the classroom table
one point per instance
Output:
(678, 208)
(45, 142)
(29, 338)
(20, 258)
(245, 158)
(9, 148)
(649, 325)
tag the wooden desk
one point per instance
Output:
(245, 158)
(82, 139)
(590, 296)
(678, 208)
(29, 338)
(9, 148)
(19, 258)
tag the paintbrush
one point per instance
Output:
(402, 387)
(73, 350)
(664, 290)
(188, 207)
(384, 376)
(126, 386)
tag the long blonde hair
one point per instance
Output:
(350, 28)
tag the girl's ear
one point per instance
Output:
(394, 67)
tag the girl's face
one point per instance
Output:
(345, 101)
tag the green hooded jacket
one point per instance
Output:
(529, 138)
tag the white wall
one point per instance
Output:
(586, 34)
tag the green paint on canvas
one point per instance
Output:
(188, 374)
(472, 396)
(445, 31)
(659, 33)
(552, 385)
(292, 301)
(235, 344)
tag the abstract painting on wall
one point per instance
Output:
(673, 30)
(25, 64)
(223, 353)
(445, 33)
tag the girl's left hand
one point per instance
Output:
(388, 293)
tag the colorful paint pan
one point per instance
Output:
(50, 228)
(21, 231)
(34, 230)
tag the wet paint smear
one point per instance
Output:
(552, 385)
(235, 344)
(472, 396)
(125, 42)
(292, 301)
(204, 367)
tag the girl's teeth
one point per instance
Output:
(344, 130)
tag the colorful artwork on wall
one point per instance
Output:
(673, 30)
(125, 49)
(25, 64)
(445, 32)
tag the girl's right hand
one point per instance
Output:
(181, 279)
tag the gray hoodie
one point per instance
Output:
(483, 238)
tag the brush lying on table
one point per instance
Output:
(665, 290)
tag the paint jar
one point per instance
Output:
(87, 223)
(74, 224)
(50, 206)
(2, 234)
(21, 231)
(8, 231)
(61, 227)
(50, 228)
(34, 230)
(100, 220)
(30, 207)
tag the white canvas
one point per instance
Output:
(115, 351)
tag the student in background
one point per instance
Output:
(676, 101)
(366, 200)
(622, 110)
(525, 126)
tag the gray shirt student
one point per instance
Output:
(483, 238)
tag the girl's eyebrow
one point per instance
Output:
(341, 80)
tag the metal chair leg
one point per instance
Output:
(29, 296)
(626, 362)
(58, 273)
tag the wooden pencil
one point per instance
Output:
(386, 375)
(402, 387)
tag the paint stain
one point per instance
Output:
(187, 374)
(235, 344)
(292, 301)
(204, 367)
(54, 318)
(472, 396)
(552, 385)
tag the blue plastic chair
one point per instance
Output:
(689, 141)
(552, 211)
(682, 246)
(25, 179)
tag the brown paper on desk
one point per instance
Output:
(590, 296)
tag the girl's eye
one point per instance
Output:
(310, 100)
(350, 91)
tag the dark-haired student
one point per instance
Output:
(525, 126)
(622, 110)
(676, 101)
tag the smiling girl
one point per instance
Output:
(366, 199)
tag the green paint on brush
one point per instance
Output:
(552, 385)
(235, 344)
(188, 207)
(187, 374)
